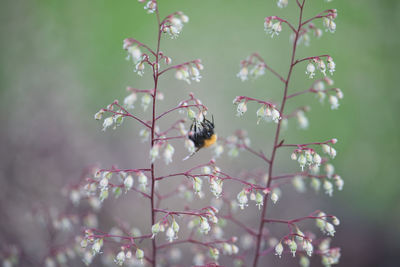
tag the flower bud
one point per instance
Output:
(279, 250)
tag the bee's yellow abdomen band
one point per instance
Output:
(211, 141)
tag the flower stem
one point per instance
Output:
(276, 140)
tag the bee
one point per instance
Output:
(202, 134)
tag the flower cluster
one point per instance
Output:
(267, 111)
(173, 24)
(253, 66)
(318, 63)
(189, 71)
(272, 25)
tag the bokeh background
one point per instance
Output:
(61, 61)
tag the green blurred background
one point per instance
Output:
(61, 61)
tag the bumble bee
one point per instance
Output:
(202, 134)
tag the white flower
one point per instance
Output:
(146, 100)
(99, 115)
(168, 153)
(107, 123)
(329, 169)
(328, 187)
(197, 184)
(170, 234)
(308, 248)
(243, 74)
(310, 70)
(293, 247)
(154, 153)
(317, 159)
(195, 74)
(204, 226)
(279, 250)
(282, 3)
(134, 53)
(241, 109)
(331, 65)
(130, 100)
(304, 262)
(258, 70)
(139, 254)
(276, 116)
(175, 226)
(302, 120)
(151, 6)
(274, 197)
(333, 100)
(139, 68)
(96, 247)
(128, 182)
(259, 200)
(299, 184)
(272, 28)
(189, 145)
(315, 184)
(120, 258)
(242, 199)
(330, 229)
(338, 182)
(321, 66)
(142, 181)
(216, 187)
(302, 161)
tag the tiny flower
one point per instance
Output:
(338, 182)
(276, 116)
(155, 229)
(191, 114)
(120, 258)
(242, 199)
(315, 184)
(333, 100)
(321, 66)
(310, 70)
(331, 65)
(146, 100)
(142, 179)
(189, 145)
(293, 247)
(195, 74)
(335, 220)
(197, 184)
(329, 24)
(128, 182)
(329, 169)
(134, 53)
(139, 254)
(298, 184)
(317, 159)
(339, 93)
(328, 187)
(130, 100)
(308, 248)
(182, 74)
(139, 68)
(282, 3)
(258, 70)
(274, 197)
(170, 234)
(259, 200)
(214, 253)
(241, 109)
(175, 226)
(107, 123)
(204, 225)
(145, 134)
(304, 262)
(302, 120)
(154, 152)
(96, 247)
(168, 153)
(151, 6)
(293, 156)
(330, 229)
(216, 187)
(279, 250)
(99, 115)
(302, 161)
(243, 74)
